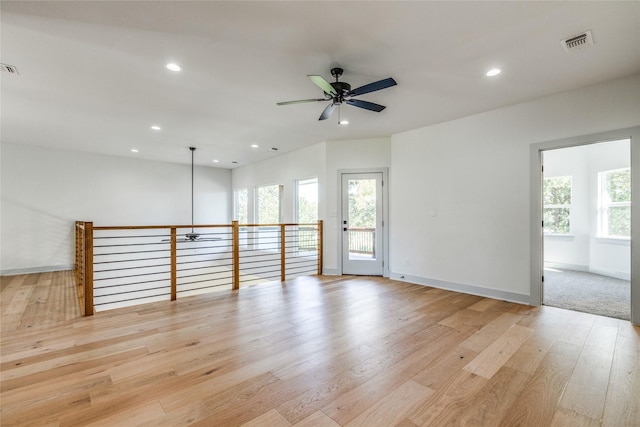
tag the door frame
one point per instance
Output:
(385, 216)
(536, 234)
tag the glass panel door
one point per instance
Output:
(362, 224)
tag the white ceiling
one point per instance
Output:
(93, 77)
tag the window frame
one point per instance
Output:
(605, 203)
(558, 206)
(296, 207)
(257, 202)
(236, 204)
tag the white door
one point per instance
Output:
(362, 222)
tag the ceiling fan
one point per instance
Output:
(193, 236)
(340, 92)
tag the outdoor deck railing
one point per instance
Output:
(362, 241)
(128, 265)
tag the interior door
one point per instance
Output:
(362, 222)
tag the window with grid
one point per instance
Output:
(557, 205)
(614, 213)
(240, 205)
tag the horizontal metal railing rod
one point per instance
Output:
(129, 268)
(129, 275)
(129, 260)
(146, 236)
(131, 299)
(130, 244)
(198, 275)
(208, 260)
(130, 292)
(131, 252)
(131, 283)
(199, 281)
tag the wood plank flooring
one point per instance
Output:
(316, 351)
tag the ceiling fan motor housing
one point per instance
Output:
(342, 89)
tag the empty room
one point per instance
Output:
(283, 213)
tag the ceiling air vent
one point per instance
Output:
(9, 69)
(577, 42)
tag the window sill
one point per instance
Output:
(624, 241)
(559, 236)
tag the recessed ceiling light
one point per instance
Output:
(134, 150)
(254, 145)
(216, 161)
(343, 122)
(493, 72)
(154, 127)
(173, 66)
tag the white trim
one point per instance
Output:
(385, 215)
(463, 288)
(623, 241)
(566, 266)
(32, 270)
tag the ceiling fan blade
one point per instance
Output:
(327, 112)
(302, 101)
(366, 105)
(323, 84)
(372, 87)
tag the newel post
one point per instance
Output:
(174, 267)
(235, 232)
(88, 268)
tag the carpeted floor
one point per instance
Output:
(587, 292)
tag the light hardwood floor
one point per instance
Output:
(322, 351)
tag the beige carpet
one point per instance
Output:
(587, 292)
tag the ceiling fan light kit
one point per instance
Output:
(340, 93)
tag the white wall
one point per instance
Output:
(608, 256)
(284, 170)
(44, 191)
(571, 251)
(460, 191)
(583, 250)
(323, 160)
(347, 155)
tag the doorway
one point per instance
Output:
(536, 230)
(586, 194)
(362, 222)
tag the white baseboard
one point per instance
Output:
(464, 288)
(566, 266)
(611, 273)
(330, 272)
(33, 270)
(616, 274)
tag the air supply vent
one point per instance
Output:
(577, 42)
(9, 69)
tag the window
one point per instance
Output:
(557, 205)
(240, 205)
(614, 202)
(268, 204)
(307, 201)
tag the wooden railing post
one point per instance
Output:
(283, 259)
(174, 266)
(235, 232)
(88, 268)
(320, 242)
